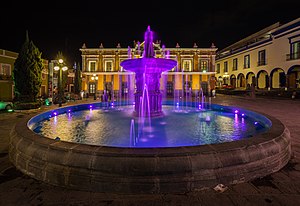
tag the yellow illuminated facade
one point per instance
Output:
(101, 69)
(268, 59)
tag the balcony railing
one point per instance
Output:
(234, 68)
(246, 66)
(293, 56)
(5, 77)
(262, 62)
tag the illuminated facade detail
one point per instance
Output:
(187, 65)
(92, 66)
(7, 60)
(195, 68)
(268, 59)
(203, 65)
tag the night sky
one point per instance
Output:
(60, 26)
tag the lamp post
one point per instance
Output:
(60, 67)
(94, 77)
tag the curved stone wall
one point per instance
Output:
(148, 170)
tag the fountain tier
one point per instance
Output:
(148, 71)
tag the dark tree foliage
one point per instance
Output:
(77, 80)
(27, 73)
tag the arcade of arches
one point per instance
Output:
(276, 79)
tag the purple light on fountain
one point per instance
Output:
(148, 71)
(132, 133)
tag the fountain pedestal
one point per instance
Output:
(148, 98)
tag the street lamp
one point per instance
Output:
(94, 77)
(61, 67)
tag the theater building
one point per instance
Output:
(101, 69)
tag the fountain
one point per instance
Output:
(103, 148)
(148, 71)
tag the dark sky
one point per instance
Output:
(60, 26)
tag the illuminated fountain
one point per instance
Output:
(148, 70)
(96, 148)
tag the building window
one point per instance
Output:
(235, 64)
(5, 70)
(295, 50)
(218, 68)
(226, 66)
(203, 65)
(92, 66)
(187, 65)
(246, 61)
(108, 66)
(92, 88)
(261, 58)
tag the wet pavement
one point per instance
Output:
(280, 188)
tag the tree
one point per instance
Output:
(77, 80)
(27, 73)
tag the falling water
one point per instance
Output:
(112, 93)
(186, 86)
(144, 113)
(119, 96)
(133, 139)
(129, 52)
(167, 54)
(202, 99)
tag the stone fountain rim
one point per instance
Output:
(148, 170)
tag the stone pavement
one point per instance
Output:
(280, 188)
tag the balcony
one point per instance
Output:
(262, 62)
(5, 77)
(246, 66)
(293, 56)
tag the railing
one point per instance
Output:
(262, 62)
(5, 77)
(246, 66)
(293, 56)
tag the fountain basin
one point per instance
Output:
(148, 170)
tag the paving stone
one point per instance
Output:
(244, 188)
(215, 200)
(288, 200)
(240, 200)
(289, 187)
(256, 200)
(280, 177)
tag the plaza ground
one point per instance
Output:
(280, 188)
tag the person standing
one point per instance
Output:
(252, 90)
